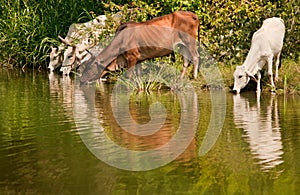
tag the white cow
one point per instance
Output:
(56, 57)
(79, 38)
(266, 43)
(73, 58)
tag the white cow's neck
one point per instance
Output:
(252, 60)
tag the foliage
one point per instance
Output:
(28, 28)
(227, 26)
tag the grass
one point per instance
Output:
(28, 28)
(288, 83)
(289, 77)
(152, 75)
(219, 76)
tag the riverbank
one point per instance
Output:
(288, 83)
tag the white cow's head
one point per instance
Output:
(56, 58)
(69, 60)
(101, 20)
(241, 78)
(73, 55)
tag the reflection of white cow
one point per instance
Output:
(261, 128)
(79, 38)
(266, 43)
(62, 87)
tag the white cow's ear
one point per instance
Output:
(65, 41)
(239, 67)
(251, 75)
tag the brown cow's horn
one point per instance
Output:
(64, 40)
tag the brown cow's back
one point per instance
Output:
(158, 37)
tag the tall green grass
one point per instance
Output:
(29, 27)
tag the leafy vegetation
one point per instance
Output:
(28, 28)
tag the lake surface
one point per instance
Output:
(54, 133)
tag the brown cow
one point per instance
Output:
(136, 42)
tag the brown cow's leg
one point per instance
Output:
(131, 57)
(103, 73)
(130, 69)
(195, 57)
(190, 44)
(196, 62)
(194, 54)
(185, 65)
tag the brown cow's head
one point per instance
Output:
(91, 72)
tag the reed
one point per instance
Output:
(290, 79)
(161, 73)
(28, 28)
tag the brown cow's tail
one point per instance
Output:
(199, 34)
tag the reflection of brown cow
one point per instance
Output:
(136, 42)
(139, 113)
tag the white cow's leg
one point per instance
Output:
(270, 72)
(277, 66)
(258, 90)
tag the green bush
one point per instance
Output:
(227, 26)
(29, 27)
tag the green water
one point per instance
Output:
(42, 147)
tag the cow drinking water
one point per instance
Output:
(158, 37)
(266, 43)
